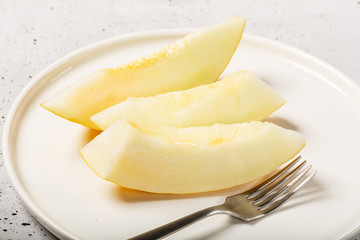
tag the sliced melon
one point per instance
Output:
(240, 97)
(196, 59)
(190, 160)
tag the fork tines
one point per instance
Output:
(279, 188)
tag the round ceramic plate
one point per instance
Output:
(62, 192)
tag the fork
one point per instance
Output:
(250, 205)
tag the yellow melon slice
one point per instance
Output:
(196, 59)
(190, 160)
(240, 97)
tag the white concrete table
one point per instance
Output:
(35, 33)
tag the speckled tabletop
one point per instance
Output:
(35, 33)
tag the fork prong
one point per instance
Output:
(256, 192)
(272, 189)
(280, 202)
(278, 194)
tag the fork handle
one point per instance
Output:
(179, 224)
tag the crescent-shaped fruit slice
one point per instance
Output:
(190, 160)
(240, 97)
(196, 59)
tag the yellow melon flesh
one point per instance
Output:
(190, 160)
(196, 59)
(240, 97)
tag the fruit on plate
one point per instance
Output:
(190, 160)
(196, 59)
(240, 97)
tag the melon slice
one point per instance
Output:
(190, 160)
(240, 97)
(196, 59)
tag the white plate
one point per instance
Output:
(41, 151)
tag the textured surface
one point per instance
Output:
(35, 33)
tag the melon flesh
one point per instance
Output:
(196, 59)
(240, 97)
(190, 160)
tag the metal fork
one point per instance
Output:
(250, 205)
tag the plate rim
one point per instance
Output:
(14, 177)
